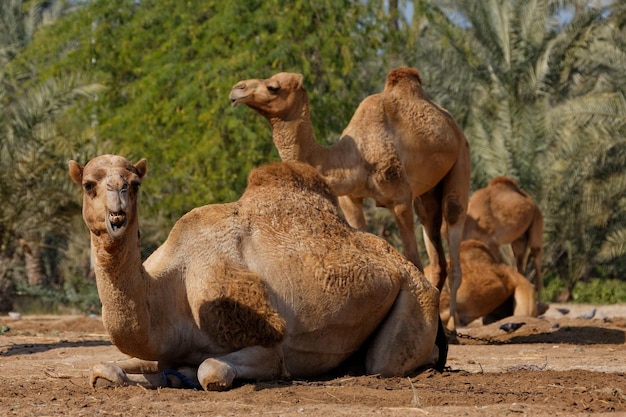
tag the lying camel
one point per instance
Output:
(487, 288)
(400, 148)
(503, 213)
(275, 285)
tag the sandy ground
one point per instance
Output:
(556, 365)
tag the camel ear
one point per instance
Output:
(76, 172)
(300, 80)
(142, 167)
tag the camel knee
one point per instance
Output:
(216, 375)
(453, 210)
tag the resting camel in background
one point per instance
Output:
(274, 285)
(487, 288)
(400, 149)
(503, 213)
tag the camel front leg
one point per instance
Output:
(428, 210)
(252, 363)
(403, 214)
(524, 298)
(352, 209)
(536, 253)
(148, 374)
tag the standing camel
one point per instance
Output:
(400, 149)
(503, 213)
(274, 285)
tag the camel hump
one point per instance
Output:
(297, 175)
(507, 182)
(403, 75)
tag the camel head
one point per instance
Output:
(110, 185)
(276, 96)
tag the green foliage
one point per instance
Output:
(593, 291)
(600, 291)
(75, 297)
(543, 101)
(539, 99)
(169, 67)
(553, 288)
(37, 133)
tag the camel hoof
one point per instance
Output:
(452, 337)
(215, 375)
(106, 375)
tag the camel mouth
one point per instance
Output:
(234, 99)
(115, 223)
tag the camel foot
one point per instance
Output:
(542, 308)
(452, 337)
(106, 374)
(215, 375)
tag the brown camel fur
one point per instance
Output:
(400, 148)
(503, 213)
(275, 285)
(487, 285)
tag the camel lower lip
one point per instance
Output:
(117, 219)
(115, 224)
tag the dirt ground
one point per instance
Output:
(556, 365)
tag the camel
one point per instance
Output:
(274, 285)
(488, 287)
(503, 213)
(400, 148)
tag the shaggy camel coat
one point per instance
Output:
(275, 285)
(488, 288)
(503, 213)
(400, 149)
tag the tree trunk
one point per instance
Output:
(7, 289)
(35, 272)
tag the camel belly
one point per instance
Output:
(322, 350)
(423, 174)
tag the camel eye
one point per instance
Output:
(135, 185)
(274, 88)
(89, 187)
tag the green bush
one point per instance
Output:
(594, 291)
(72, 299)
(600, 291)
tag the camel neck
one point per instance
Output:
(294, 137)
(123, 289)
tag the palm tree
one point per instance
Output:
(32, 165)
(541, 101)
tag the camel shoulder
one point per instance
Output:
(239, 312)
